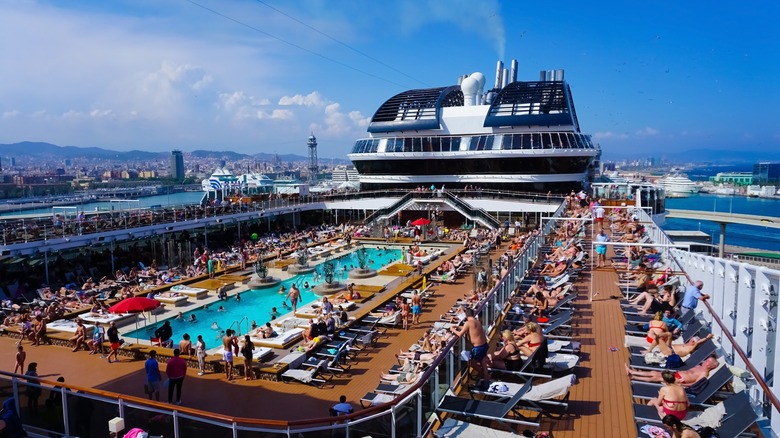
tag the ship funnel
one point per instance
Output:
(505, 78)
(542, 76)
(513, 71)
(559, 75)
(499, 73)
(551, 75)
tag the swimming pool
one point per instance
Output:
(256, 305)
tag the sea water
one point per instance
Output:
(739, 235)
(256, 305)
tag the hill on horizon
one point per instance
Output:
(50, 151)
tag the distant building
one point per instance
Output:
(766, 174)
(177, 165)
(147, 174)
(735, 178)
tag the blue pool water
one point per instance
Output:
(255, 305)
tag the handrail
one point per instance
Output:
(767, 390)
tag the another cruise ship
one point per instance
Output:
(517, 135)
(678, 186)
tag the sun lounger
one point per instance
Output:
(282, 340)
(704, 351)
(729, 418)
(69, 326)
(107, 318)
(291, 322)
(688, 332)
(176, 300)
(452, 428)
(392, 320)
(488, 409)
(310, 376)
(646, 391)
(311, 310)
(193, 292)
(550, 398)
(258, 354)
(447, 277)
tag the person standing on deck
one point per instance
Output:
(601, 250)
(599, 213)
(416, 307)
(692, 297)
(478, 340)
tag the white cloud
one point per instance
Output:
(609, 135)
(312, 99)
(277, 114)
(648, 132)
(10, 114)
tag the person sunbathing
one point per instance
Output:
(681, 350)
(685, 378)
(532, 340)
(553, 270)
(541, 305)
(266, 331)
(508, 356)
(658, 331)
(408, 378)
(672, 399)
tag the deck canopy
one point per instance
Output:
(545, 103)
(415, 109)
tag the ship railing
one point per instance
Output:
(42, 227)
(410, 414)
(742, 313)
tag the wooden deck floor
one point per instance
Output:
(599, 402)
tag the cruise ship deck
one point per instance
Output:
(597, 404)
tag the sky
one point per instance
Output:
(649, 78)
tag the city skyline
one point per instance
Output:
(256, 76)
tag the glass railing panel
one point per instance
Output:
(156, 422)
(89, 415)
(380, 426)
(193, 426)
(261, 434)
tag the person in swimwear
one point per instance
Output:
(681, 350)
(672, 398)
(685, 378)
(532, 340)
(508, 357)
(678, 428)
(479, 341)
(658, 331)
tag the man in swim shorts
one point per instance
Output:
(416, 307)
(479, 343)
(229, 343)
(601, 250)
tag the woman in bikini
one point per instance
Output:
(508, 357)
(678, 428)
(540, 305)
(658, 330)
(531, 341)
(672, 398)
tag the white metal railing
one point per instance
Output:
(742, 313)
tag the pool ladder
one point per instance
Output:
(237, 324)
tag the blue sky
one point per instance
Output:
(259, 76)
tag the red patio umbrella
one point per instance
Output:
(421, 221)
(134, 305)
